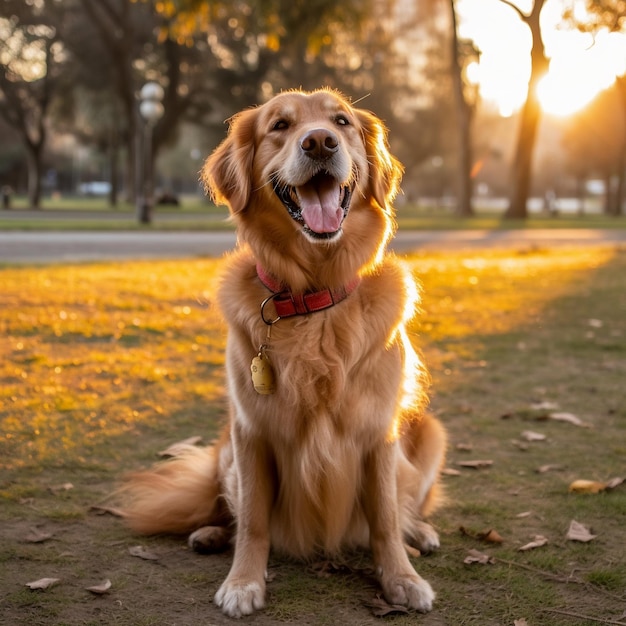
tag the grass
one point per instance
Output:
(102, 365)
(195, 213)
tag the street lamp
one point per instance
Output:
(151, 110)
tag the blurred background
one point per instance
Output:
(513, 107)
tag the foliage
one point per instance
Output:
(215, 58)
(610, 14)
(32, 63)
(595, 139)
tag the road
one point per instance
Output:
(23, 247)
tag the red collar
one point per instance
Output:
(288, 303)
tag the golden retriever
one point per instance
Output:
(327, 446)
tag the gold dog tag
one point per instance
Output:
(263, 377)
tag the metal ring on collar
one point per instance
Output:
(272, 297)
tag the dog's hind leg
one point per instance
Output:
(399, 580)
(419, 491)
(210, 539)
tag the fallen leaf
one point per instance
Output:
(411, 551)
(520, 622)
(537, 542)
(549, 468)
(180, 446)
(491, 536)
(100, 589)
(107, 510)
(595, 323)
(464, 447)
(142, 553)
(43, 583)
(325, 569)
(37, 536)
(380, 607)
(578, 532)
(530, 435)
(524, 514)
(59, 488)
(474, 556)
(586, 486)
(570, 418)
(448, 471)
(477, 464)
(614, 482)
(545, 405)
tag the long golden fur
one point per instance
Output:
(342, 454)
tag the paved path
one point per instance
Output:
(49, 247)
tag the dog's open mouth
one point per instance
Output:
(319, 205)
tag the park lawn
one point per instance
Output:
(196, 213)
(104, 365)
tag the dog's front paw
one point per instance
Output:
(239, 598)
(411, 591)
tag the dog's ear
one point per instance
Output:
(227, 172)
(385, 171)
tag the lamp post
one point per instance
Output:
(151, 110)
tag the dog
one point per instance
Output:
(328, 445)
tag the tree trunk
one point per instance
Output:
(522, 165)
(620, 194)
(620, 191)
(114, 151)
(463, 114)
(607, 204)
(33, 159)
(529, 118)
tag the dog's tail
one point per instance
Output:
(176, 496)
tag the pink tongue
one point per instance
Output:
(319, 201)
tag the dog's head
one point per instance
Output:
(309, 159)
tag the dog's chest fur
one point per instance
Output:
(336, 358)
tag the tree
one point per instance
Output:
(122, 40)
(619, 203)
(32, 59)
(205, 55)
(610, 15)
(460, 51)
(595, 141)
(530, 115)
(215, 58)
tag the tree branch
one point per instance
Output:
(522, 15)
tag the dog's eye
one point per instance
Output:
(342, 120)
(280, 125)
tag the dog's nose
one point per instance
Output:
(319, 143)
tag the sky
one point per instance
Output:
(579, 68)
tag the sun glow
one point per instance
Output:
(577, 75)
(580, 65)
